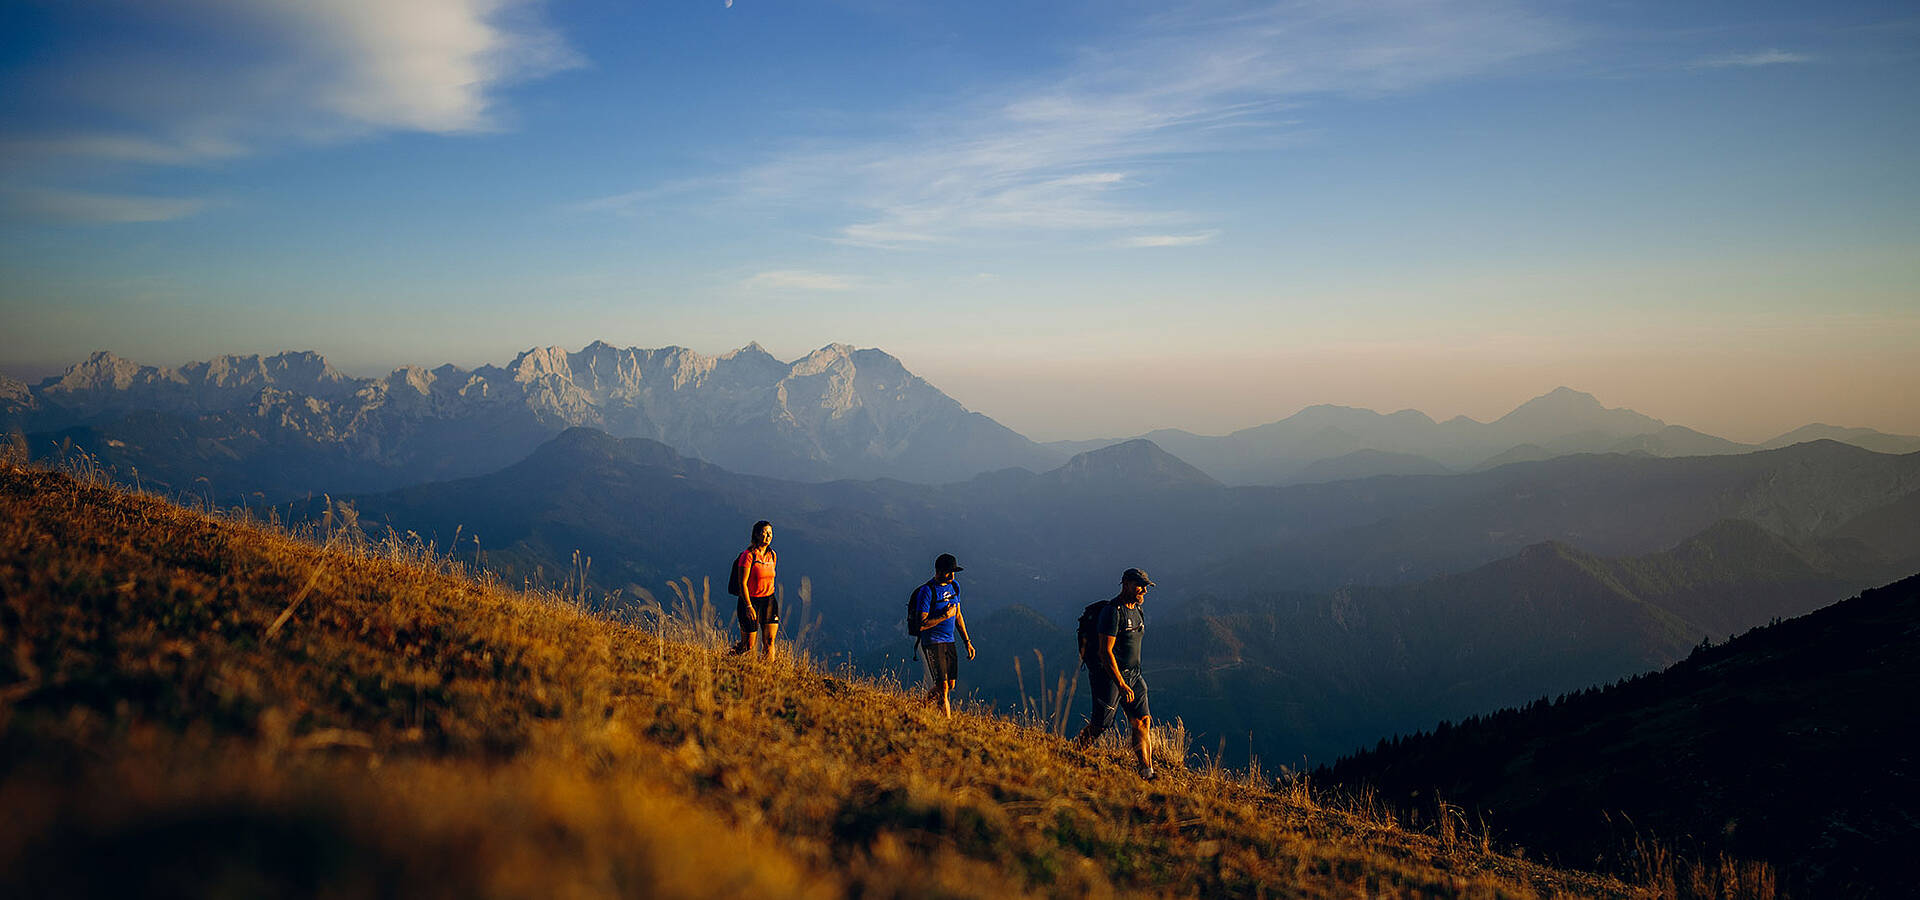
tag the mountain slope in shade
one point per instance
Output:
(1130, 465)
(291, 424)
(1792, 743)
(1367, 464)
(1893, 531)
(1347, 666)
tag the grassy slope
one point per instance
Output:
(414, 731)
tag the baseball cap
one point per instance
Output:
(1135, 576)
(946, 563)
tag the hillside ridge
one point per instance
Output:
(1788, 743)
(366, 716)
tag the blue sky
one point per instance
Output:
(1080, 218)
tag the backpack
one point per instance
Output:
(737, 575)
(737, 579)
(1090, 626)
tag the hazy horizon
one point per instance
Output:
(1047, 410)
(1084, 220)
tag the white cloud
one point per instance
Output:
(1082, 149)
(271, 71)
(800, 280)
(1750, 60)
(1168, 240)
(96, 209)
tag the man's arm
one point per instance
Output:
(960, 622)
(1113, 665)
(953, 609)
(922, 605)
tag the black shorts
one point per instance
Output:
(768, 608)
(1107, 695)
(943, 661)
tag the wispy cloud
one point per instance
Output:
(1167, 240)
(83, 208)
(100, 209)
(269, 72)
(1082, 150)
(1751, 60)
(800, 280)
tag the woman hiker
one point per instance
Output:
(759, 609)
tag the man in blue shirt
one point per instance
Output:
(1113, 669)
(936, 617)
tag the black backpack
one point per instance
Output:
(736, 575)
(1090, 627)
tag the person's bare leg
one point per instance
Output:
(1142, 733)
(768, 631)
(946, 698)
(745, 644)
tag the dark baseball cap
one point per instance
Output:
(946, 563)
(1135, 576)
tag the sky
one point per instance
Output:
(1083, 219)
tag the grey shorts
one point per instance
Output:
(943, 661)
(1107, 696)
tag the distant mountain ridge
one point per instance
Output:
(266, 423)
(1327, 443)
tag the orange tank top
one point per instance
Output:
(759, 570)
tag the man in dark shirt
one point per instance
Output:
(1114, 669)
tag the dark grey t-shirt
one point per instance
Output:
(1127, 626)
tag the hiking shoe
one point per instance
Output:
(1148, 774)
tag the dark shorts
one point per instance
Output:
(1107, 696)
(943, 661)
(768, 608)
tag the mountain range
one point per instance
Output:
(243, 428)
(1329, 443)
(292, 424)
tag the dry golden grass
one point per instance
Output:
(409, 730)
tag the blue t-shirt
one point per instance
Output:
(932, 600)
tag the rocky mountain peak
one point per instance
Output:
(15, 395)
(752, 350)
(832, 356)
(101, 371)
